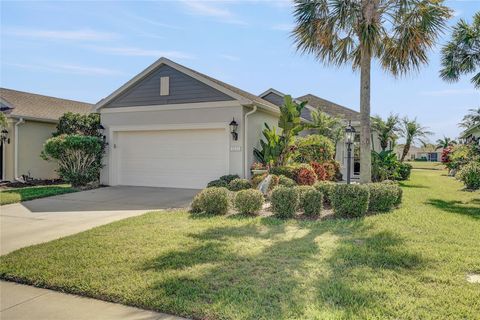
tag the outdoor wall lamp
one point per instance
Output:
(4, 136)
(233, 129)
(349, 139)
(101, 130)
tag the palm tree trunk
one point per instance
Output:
(365, 132)
(406, 148)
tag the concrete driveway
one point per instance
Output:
(36, 221)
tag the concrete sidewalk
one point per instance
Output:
(19, 301)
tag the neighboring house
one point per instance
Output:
(422, 154)
(31, 119)
(472, 134)
(332, 109)
(169, 126)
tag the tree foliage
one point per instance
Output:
(387, 130)
(413, 132)
(81, 124)
(461, 55)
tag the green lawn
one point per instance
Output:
(427, 165)
(13, 195)
(408, 264)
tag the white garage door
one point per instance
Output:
(171, 158)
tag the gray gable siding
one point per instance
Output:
(274, 98)
(183, 89)
(306, 114)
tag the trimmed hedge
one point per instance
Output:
(301, 190)
(383, 196)
(285, 181)
(195, 206)
(248, 201)
(312, 202)
(229, 177)
(217, 183)
(284, 202)
(350, 200)
(404, 170)
(288, 172)
(239, 184)
(326, 188)
(213, 200)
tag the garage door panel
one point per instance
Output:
(173, 158)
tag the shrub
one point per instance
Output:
(399, 196)
(284, 202)
(196, 206)
(217, 183)
(214, 200)
(470, 175)
(79, 157)
(248, 201)
(288, 172)
(229, 177)
(404, 170)
(350, 200)
(314, 148)
(312, 202)
(79, 124)
(239, 184)
(301, 190)
(286, 182)
(320, 171)
(383, 196)
(326, 188)
(305, 176)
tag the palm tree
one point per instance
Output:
(444, 143)
(326, 125)
(462, 54)
(471, 119)
(413, 132)
(387, 130)
(396, 32)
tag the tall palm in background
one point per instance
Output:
(444, 143)
(396, 32)
(327, 125)
(387, 130)
(471, 119)
(413, 132)
(462, 54)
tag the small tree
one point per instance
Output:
(413, 132)
(76, 123)
(445, 143)
(328, 126)
(387, 130)
(78, 157)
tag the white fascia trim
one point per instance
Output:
(180, 106)
(271, 90)
(165, 61)
(33, 119)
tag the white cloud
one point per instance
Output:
(67, 68)
(139, 52)
(229, 57)
(283, 27)
(77, 35)
(211, 9)
(449, 92)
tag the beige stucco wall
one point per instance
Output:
(178, 117)
(31, 137)
(255, 126)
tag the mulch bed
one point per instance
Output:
(30, 183)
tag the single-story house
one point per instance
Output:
(427, 153)
(171, 126)
(471, 134)
(332, 109)
(31, 120)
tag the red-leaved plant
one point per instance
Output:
(306, 176)
(320, 171)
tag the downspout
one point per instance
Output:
(15, 162)
(245, 138)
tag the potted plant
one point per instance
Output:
(258, 168)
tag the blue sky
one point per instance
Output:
(85, 50)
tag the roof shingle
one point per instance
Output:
(26, 104)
